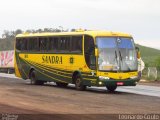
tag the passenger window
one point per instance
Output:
(64, 44)
(33, 44)
(18, 43)
(24, 44)
(21, 44)
(76, 44)
(43, 44)
(53, 44)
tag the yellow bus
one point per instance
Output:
(83, 58)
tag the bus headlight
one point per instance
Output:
(103, 78)
(134, 77)
(100, 83)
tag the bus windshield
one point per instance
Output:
(116, 54)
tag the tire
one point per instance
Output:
(33, 79)
(8, 71)
(60, 84)
(111, 88)
(78, 84)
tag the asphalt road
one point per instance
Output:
(19, 97)
(139, 89)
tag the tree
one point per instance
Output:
(39, 30)
(18, 31)
(6, 34)
(73, 30)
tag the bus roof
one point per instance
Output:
(92, 33)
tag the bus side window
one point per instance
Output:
(24, 44)
(89, 52)
(64, 46)
(43, 44)
(53, 44)
(67, 44)
(18, 43)
(76, 44)
(21, 44)
(33, 44)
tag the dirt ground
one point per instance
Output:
(19, 97)
(150, 83)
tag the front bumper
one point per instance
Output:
(113, 82)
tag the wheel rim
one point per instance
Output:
(32, 78)
(78, 82)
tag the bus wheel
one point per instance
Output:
(111, 88)
(60, 84)
(78, 83)
(34, 81)
(8, 71)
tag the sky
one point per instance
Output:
(141, 18)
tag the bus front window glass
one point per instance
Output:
(127, 53)
(116, 54)
(107, 54)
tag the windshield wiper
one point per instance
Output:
(120, 61)
(116, 57)
(120, 55)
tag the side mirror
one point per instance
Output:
(96, 52)
(138, 53)
(137, 49)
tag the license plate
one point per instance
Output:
(120, 83)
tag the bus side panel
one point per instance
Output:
(56, 67)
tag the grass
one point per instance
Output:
(149, 56)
